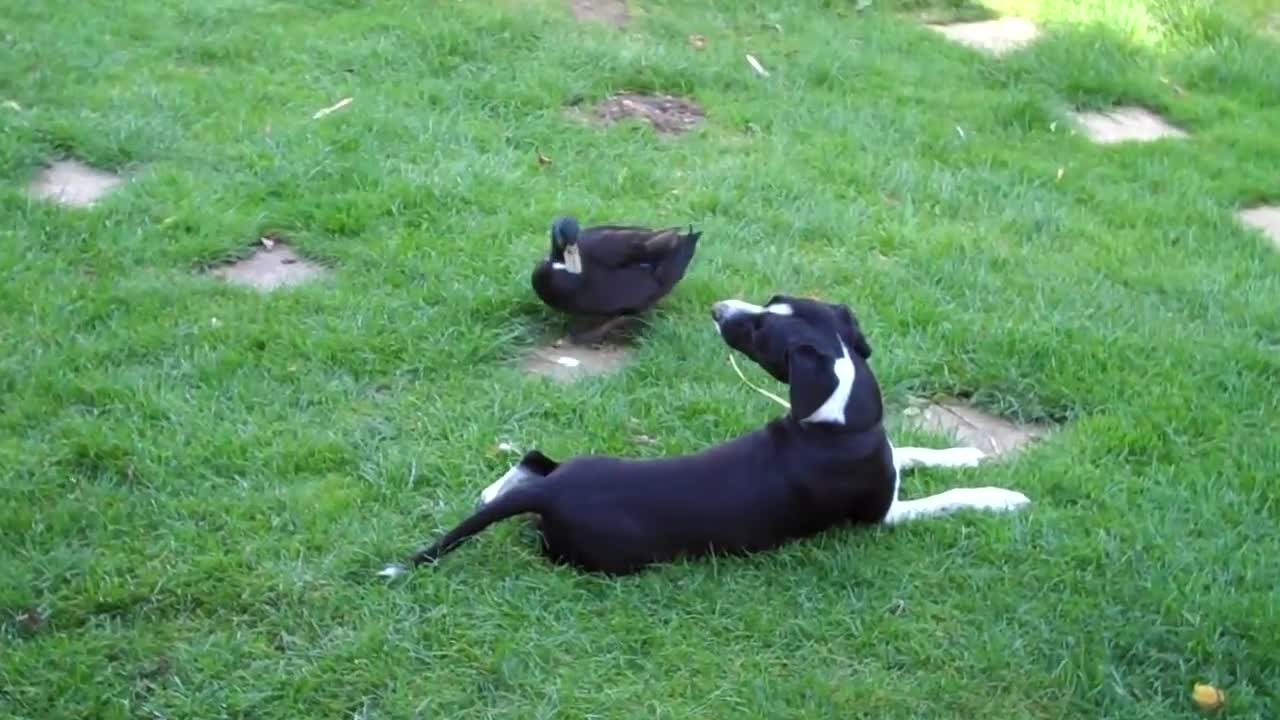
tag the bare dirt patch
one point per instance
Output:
(611, 12)
(990, 433)
(72, 183)
(1265, 218)
(1126, 124)
(570, 362)
(666, 113)
(998, 37)
(273, 265)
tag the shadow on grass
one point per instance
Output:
(543, 325)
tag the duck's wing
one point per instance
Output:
(619, 246)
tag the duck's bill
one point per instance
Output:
(572, 261)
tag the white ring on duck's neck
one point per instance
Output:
(572, 260)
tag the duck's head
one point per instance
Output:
(564, 244)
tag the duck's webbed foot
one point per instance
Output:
(594, 335)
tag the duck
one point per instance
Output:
(611, 273)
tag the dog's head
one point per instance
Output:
(817, 348)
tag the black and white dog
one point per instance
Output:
(828, 462)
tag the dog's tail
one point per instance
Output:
(517, 501)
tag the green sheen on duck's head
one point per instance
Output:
(564, 232)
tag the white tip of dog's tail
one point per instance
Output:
(392, 570)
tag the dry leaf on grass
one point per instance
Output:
(1173, 86)
(1208, 697)
(336, 106)
(29, 621)
(698, 41)
(755, 65)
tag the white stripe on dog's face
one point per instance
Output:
(739, 307)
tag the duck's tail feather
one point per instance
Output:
(673, 268)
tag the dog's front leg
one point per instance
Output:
(905, 458)
(944, 503)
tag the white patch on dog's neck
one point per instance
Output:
(832, 411)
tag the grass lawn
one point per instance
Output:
(198, 480)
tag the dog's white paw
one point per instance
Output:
(997, 499)
(392, 570)
(964, 456)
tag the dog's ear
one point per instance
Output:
(811, 379)
(860, 344)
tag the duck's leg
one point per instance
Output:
(578, 324)
(596, 335)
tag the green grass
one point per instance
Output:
(196, 507)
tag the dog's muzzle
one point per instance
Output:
(726, 309)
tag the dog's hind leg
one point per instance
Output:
(905, 458)
(533, 465)
(944, 503)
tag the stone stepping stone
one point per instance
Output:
(1126, 124)
(568, 362)
(72, 183)
(610, 12)
(274, 265)
(997, 37)
(1265, 218)
(994, 435)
